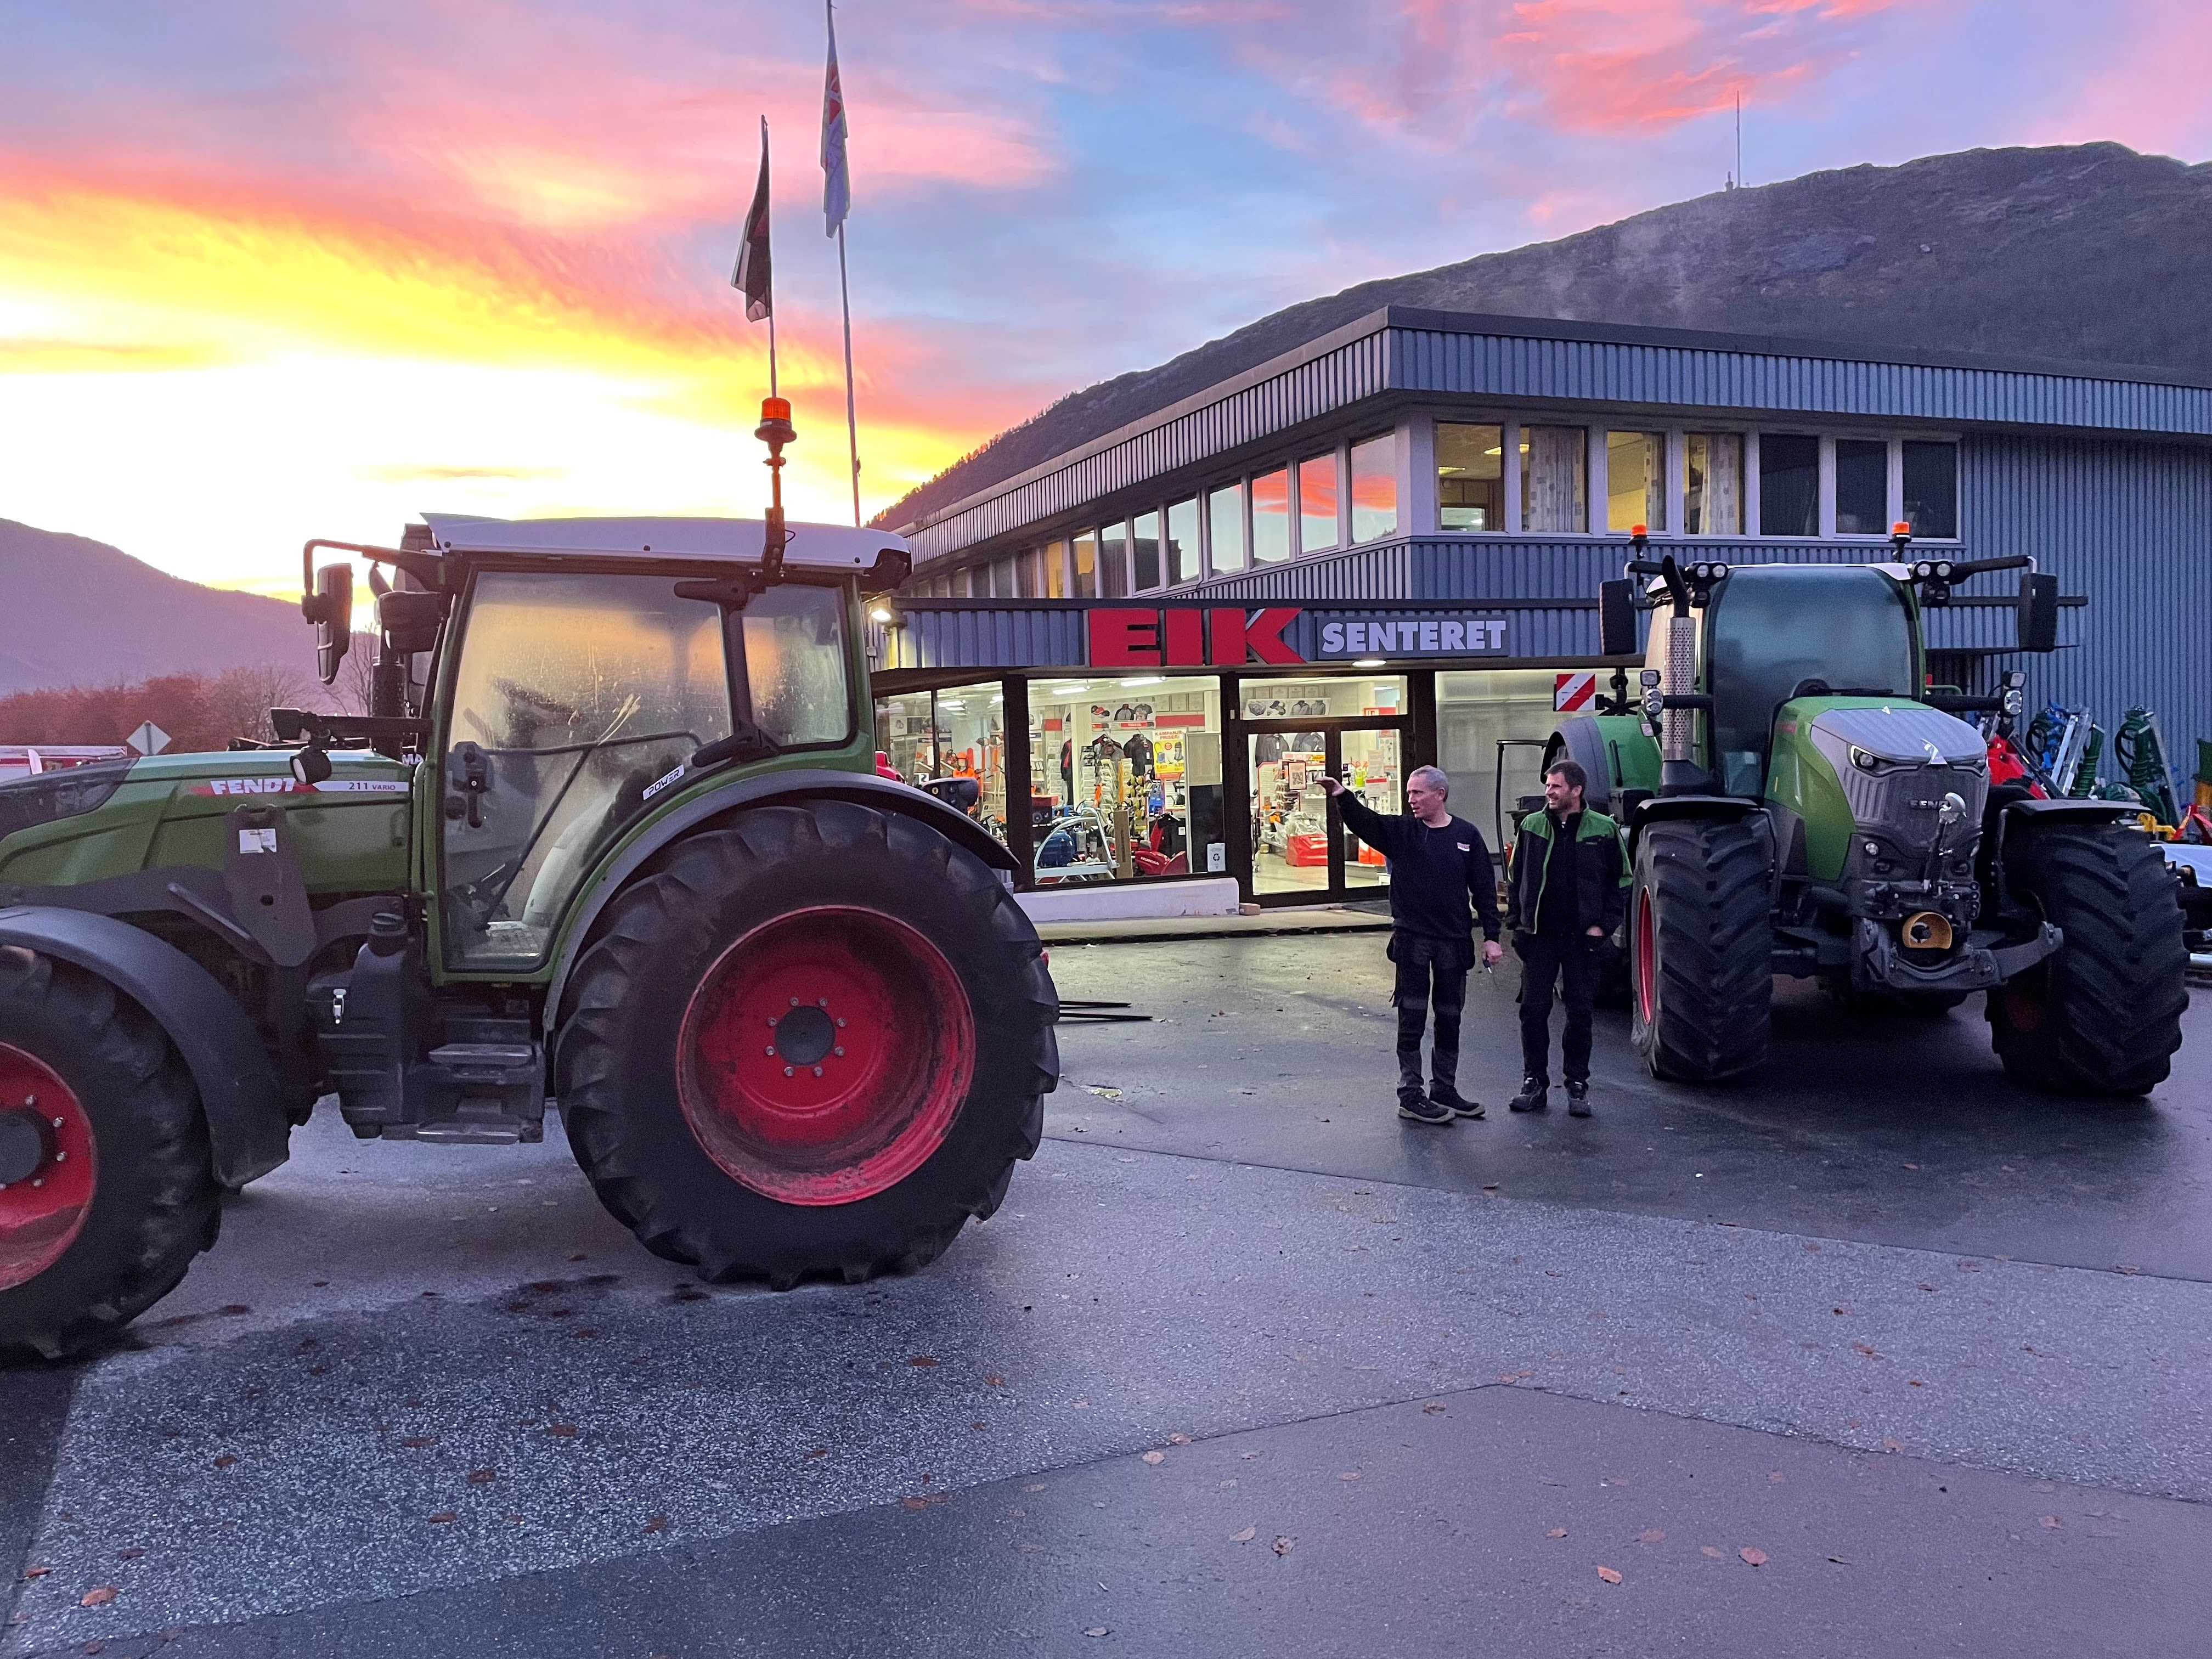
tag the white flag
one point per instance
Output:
(836, 184)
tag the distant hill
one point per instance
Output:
(2088, 252)
(80, 612)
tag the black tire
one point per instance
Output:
(2102, 1016)
(1614, 990)
(622, 1040)
(1700, 950)
(155, 1204)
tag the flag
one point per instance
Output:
(752, 269)
(836, 184)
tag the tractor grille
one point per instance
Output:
(1904, 802)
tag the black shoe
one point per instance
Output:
(1578, 1098)
(1421, 1109)
(1444, 1095)
(1533, 1095)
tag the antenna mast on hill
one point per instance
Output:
(1738, 174)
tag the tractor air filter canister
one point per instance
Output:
(1682, 682)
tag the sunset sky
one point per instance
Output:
(270, 270)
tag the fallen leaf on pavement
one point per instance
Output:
(134, 1553)
(565, 1431)
(1103, 1090)
(420, 1442)
(1435, 1408)
(1155, 1457)
(36, 1573)
(2052, 1522)
(1557, 1532)
(1245, 1536)
(1753, 1557)
(1651, 1535)
(1775, 1476)
(1097, 1630)
(1037, 1486)
(443, 1516)
(1178, 1440)
(1717, 1555)
(658, 1523)
(1609, 1574)
(1349, 1474)
(98, 1597)
(1284, 1546)
(921, 1360)
(482, 1477)
(1861, 1348)
(1890, 1445)
(995, 1381)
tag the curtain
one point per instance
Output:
(1552, 478)
(1715, 484)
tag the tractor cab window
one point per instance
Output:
(794, 666)
(572, 694)
(1771, 627)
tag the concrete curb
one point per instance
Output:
(1187, 927)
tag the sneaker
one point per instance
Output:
(1578, 1098)
(1533, 1095)
(1422, 1110)
(1444, 1095)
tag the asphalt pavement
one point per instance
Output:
(1873, 1354)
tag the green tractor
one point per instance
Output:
(612, 832)
(1796, 802)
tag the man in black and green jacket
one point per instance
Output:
(1566, 888)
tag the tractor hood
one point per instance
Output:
(1903, 734)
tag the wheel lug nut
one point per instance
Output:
(771, 1050)
(787, 1071)
(841, 1024)
(822, 1002)
(839, 1052)
(817, 1071)
(794, 1002)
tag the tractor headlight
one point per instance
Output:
(1863, 761)
(26, 803)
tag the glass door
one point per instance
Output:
(1369, 761)
(1295, 852)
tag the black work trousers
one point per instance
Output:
(1421, 986)
(1572, 961)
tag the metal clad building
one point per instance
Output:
(1429, 465)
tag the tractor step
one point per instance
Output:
(477, 1094)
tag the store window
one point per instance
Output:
(1555, 463)
(1861, 487)
(1317, 504)
(1635, 480)
(1055, 570)
(1714, 503)
(1224, 527)
(1789, 484)
(1290, 825)
(1145, 553)
(1271, 516)
(1086, 564)
(1182, 542)
(1113, 561)
(904, 734)
(971, 742)
(1470, 476)
(1375, 487)
(1125, 779)
(1491, 727)
(1931, 488)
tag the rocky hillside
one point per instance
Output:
(80, 612)
(2089, 252)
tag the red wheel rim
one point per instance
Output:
(825, 1054)
(41, 1212)
(1647, 953)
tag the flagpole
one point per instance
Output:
(852, 421)
(772, 389)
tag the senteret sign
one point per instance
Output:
(1193, 636)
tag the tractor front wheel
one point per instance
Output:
(814, 1042)
(107, 1188)
(1700, 950)
(2103, 1015)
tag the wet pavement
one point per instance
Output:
(1246, 1365)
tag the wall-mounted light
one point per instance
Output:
(885, 615)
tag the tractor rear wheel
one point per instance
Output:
(812, 1041)
(107, 1188)
(2102, 1016)
(1700, 950)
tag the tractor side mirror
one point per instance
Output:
(2038, 612)
(1616, 618)
(332, 612)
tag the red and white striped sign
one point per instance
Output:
(1573, 691)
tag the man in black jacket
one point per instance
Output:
(1566, 887)
(1439, 863)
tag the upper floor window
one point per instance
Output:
(1375, 487)
(1635, 480)
(1554, 467)
(1225, 526)
(1470, 476)
(1713, 503)
(1182, 542)
(1789, 484)
(1087, 565)
(1113, 561)
(1145, 553)
(1055, 570)
(1271, 516)
(1317, 503)
(1931, 488)
(1861, 487)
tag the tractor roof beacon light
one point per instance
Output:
(775, 430)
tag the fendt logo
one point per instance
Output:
(1185, 636)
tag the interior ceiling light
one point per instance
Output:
(1151, 679)
(1368, 662)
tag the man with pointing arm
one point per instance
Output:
(1438, 864)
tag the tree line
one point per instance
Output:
(200, 712)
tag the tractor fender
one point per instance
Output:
(221, 1047)
(1662, 807)
(1581, 741)
(2072, 811)
(766, 789)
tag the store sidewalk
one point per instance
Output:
(1300, 919)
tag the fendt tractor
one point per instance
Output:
(1798, 802)
(611, 831)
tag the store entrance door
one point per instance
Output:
(1295, 858)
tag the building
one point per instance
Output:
(1385, 548)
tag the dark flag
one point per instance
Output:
(752, 269)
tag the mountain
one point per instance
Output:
(80, 612)
(2089, 252)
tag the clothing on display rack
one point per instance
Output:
(1139, 748)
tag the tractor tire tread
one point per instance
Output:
(1708, 881)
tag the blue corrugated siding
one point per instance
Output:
(2130, 526)
(984, 637)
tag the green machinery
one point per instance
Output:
(611, 831)
(1797, 803)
